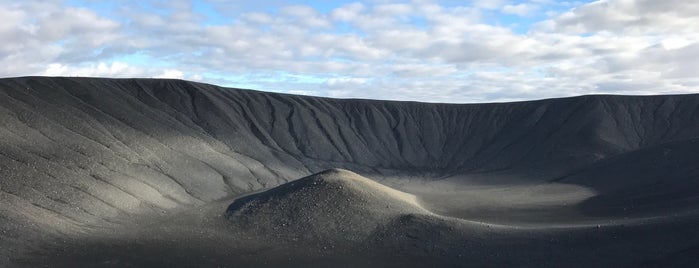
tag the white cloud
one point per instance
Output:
(422, 70)
(196, 77)
(72, 23)
(631, 16)
(673, 42)
(170, 73)
(488, 4)
(258, 18)
(347, 12)
(419, 50)
(345, 81)
(306, 16)
(394, 9)
(102, 69)
(521, 9)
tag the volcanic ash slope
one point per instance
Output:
(333, 204)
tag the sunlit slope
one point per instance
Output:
(333, 204)
(79, 153)
(109, 146)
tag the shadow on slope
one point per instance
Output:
(339, 219)
(660, 180)
(99, 151)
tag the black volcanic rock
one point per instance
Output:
(333, 204)
(85, 159)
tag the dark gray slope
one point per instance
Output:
(337, 219)
(335, 204)
(663, 179)
(78, 155)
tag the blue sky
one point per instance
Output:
(422, 50)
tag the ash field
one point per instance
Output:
(98, 172)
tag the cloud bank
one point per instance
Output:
(437, 51)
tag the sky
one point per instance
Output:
(422, 50)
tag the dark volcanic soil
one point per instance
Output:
(142, 172)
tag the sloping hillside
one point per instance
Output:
(81, 154)
(331, 204)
